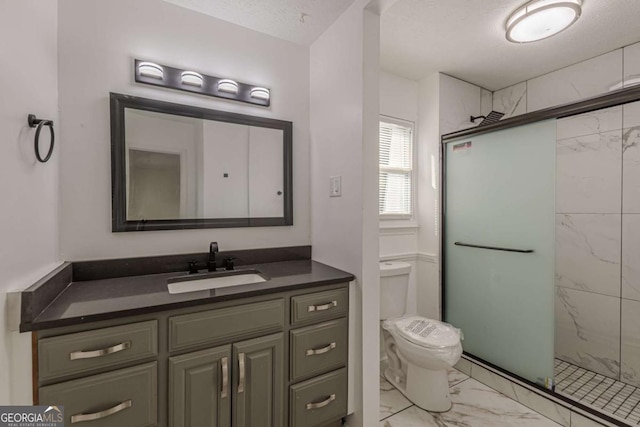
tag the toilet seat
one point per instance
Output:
(427, 333)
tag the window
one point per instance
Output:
(396, 168)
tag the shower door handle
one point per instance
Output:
(495, 248)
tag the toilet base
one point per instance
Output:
(427, 389)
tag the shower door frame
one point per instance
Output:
(611, 99)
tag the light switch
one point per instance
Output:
(335, 186)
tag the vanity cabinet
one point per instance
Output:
(113, 398)
(318, 358)
(274, 360)
(239, 385)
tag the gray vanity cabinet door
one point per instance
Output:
(258, 382)
(200, 388)
(126, 397)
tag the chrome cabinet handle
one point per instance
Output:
(102, 414)
(323, 350)
(322, 307)
(225, 377)
(75, 355)
(241, 379)
(321, 404)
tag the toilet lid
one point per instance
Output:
(427, 332)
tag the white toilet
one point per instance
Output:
(419, 350)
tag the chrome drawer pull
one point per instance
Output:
(241, 380)
(322, 350)
(321, 404)
(78, 418)
(75, 355)
(225, 377)
(322, 307)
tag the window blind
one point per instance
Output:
(395, 169)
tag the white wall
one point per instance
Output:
(593, 77)
(29, 189)
(344, 129)
(445, 105)
(98, 41)
(399, 239)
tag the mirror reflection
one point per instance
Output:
(180, 167)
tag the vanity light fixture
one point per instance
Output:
(260, 93)
(539, 19)
(191, 78)
(191, 81)
(228, 86)
(150, 69)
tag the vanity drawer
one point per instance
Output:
(318, 348)
(126, 397)
(225, 324)
(86, 351)
(318, 401)
(319, 306)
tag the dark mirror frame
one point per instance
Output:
(120, 223)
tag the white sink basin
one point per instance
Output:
(179, 285)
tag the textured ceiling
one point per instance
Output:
(299, 21)
(465, 38)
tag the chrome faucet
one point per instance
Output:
(213, 248)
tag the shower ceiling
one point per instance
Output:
(466, 39)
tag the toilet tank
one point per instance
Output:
(394, 282)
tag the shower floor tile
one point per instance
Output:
(610, 396)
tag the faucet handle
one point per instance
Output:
(213, 247)
(193, 267)
(228, 263)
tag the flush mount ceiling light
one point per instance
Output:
(150, 69)
(191, 78)
(539, 19)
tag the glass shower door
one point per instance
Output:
(499, 246)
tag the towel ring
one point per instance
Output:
(33, 121)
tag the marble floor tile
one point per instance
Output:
(391, 400)
(474, 405)
(588, 252)
(587, 332)
(554, 411)
(463, 366)
(589, 171)
(578, 420)
(412, 417)
(455, 376)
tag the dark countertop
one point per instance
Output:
(109, 298)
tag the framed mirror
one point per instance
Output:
(178, 167)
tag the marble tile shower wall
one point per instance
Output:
(598, 242)
(592, 77)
